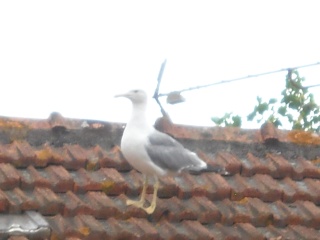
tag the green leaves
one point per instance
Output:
(297, 107)
(228, 120)
(282, 110)
(236, 121)
(263, 108)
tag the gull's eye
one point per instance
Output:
(135, 91)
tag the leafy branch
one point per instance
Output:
(229, 119)
(297, 108)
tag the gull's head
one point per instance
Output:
(136, 96)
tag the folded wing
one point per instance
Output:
(167, 153)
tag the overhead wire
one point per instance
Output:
(234, 79)
(177, 97)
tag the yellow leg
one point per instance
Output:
(153, 205)
(140, 203)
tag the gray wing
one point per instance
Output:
(167, 153)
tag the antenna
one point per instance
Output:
(156, 92)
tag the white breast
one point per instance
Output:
(132, 147)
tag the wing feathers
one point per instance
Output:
(169, 154)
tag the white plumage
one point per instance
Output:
(151, 152)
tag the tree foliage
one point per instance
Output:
(297, 108)
(229, 119)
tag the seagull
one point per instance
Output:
(153, 153)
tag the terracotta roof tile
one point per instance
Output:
(247, 231)
(284, 168)
(267, 188)
(181, 231)
(17, 238)
(237, 231)
(9, 176)
(83, 181)
(219, 186)
(58, 156)
(183, 210)
(302, 168)
(208, 133)
(77, 157)
(229, 161)
(185, 186)
(241, 187)
(4, 202)
(56, 120)
(72, 172)
(58, 225)
(172, 209)
(9, 154)
(301, 232)
(197, 230)
(248, 210)
(86, 227)
(269, 132)
(312, 213)
(93, 156)
(20, 201)
(134, 183)
(114, 159)
(253, 165)
(273, 167)
(26, 153)
(168, 187)
(60, 179)
(49, 202)
(111, 182)
(205, 210)
(44, 156)
(280, 215)
(73, 205)
(312, 187)
(31, 178)
(299, 215)
(273, 233)
(210, 185)
(306, 189)
(132, 228)
(167, 230)
(103, 206)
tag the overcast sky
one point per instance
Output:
(74, 56)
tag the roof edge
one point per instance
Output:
(268, 133)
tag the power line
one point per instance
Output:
(230, 80)
(312, 86)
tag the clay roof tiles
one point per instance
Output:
(71, 174)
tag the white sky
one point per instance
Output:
(74, 56)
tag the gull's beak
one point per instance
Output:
(121, 95)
